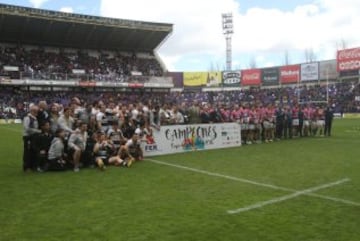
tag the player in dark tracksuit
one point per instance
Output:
(288, 123)
(31, 127)
(301, 117)
(41, 143)
(279, 123)
(329, 115)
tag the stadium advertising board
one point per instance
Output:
(309, 72)
(136, 85)
(328, 69)
(5, 79)
(349, 73)
(202, 78)
(184, 138)
(63, 83)
(10, 121)
(270, 76)
(231, 78)
(251, 77)
(178, 78)
(112, 84)
(289, 74)
(78, 71)
(87, 83)
(348, 59)
(11, 68)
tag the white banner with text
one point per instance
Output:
(184, 138)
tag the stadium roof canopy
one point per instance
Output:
(51, 28)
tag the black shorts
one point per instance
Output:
(56, 165)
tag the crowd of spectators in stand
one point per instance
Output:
(37, 63)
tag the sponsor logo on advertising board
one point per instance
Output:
(231, 78)
(309, 71)
(348, 59)
(270, 76)
(251, 77)
(328, 70)
(289, 74)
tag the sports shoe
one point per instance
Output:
(129, 163)
(101, 164)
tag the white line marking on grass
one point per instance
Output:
(344, 201)
(223, 176)
(335, 199)
(287, 197)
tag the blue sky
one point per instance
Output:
(263, 30)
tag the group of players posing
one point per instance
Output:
(76, 141)
(96, 134)
(260, 124)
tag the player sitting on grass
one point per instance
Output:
(103, 152)
(133, 146)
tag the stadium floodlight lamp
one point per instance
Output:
(227, 23)
(228, 30)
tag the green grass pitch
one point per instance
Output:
(190, 200)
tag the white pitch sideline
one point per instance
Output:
(287, 197)
(334, 199)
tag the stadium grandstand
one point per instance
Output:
(41, 44)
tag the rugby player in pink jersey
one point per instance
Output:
(307, 120)
(295, 120)
(268, 123)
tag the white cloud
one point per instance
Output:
(66, 9)
(257, 31)
(170, 61)
(37, 3)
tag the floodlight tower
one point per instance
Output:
(228, 30)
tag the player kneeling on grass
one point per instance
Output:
(133, 146)
(103, 152)
(56, 160)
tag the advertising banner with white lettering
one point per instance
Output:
(11, 68)
(328, 70)
(348, 59)
(231, 78)
(309, 72)
(185, 138)
(289, 74)
(270, 76)
(251, 77)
